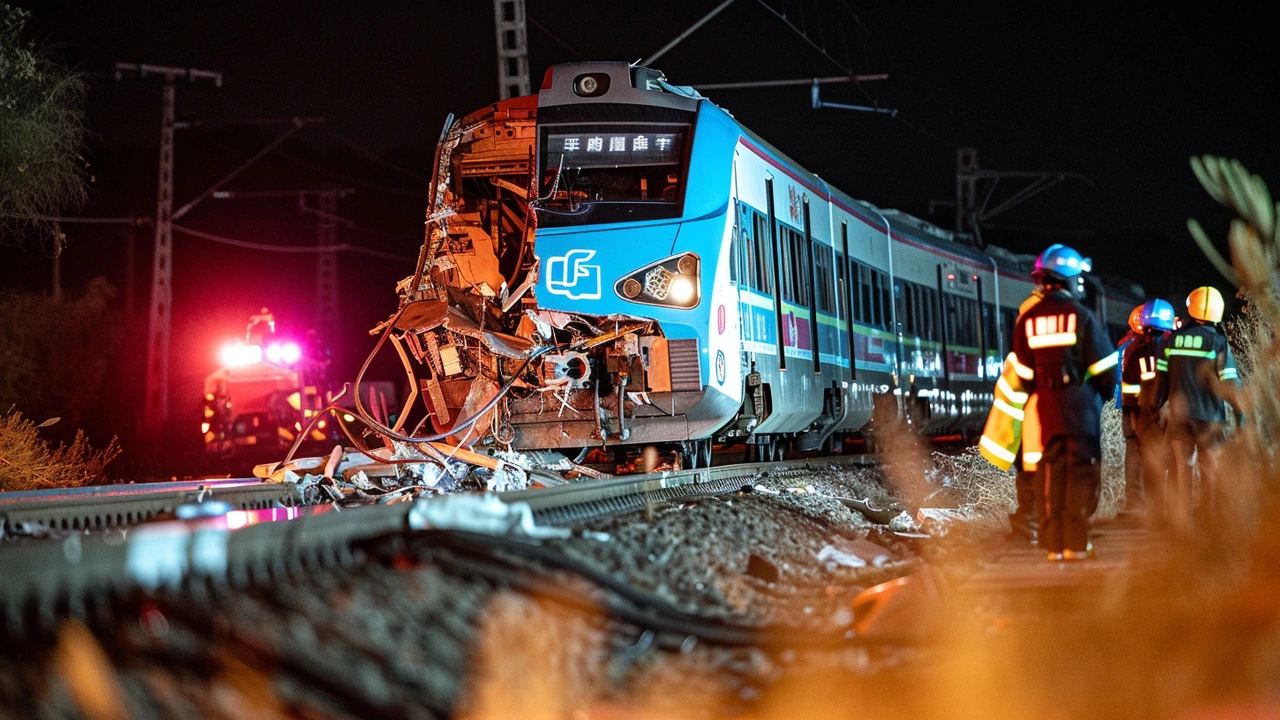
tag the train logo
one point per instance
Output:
(570, 276)
(721, 369)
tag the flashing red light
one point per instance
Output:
(951, 277)
(975, 277)
(287, 354)
(239, 354)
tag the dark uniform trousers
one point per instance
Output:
(1202, 440)
(1071, 474)
(1030, 500)
(1157, 459)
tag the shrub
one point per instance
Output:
(28, 462)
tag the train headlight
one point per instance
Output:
(591, 84)
(682, 290)
(672, 282)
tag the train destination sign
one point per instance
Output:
(614, 149)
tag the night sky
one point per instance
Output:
(1121, 95)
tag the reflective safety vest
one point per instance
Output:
(1013, 420)
(1194, 359)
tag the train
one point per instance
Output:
(682, 282)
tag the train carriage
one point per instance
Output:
(715, 289)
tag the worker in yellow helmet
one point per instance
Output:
(1201, 374)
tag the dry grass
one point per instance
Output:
(28, 462)
(1111, 496)
(988, 491)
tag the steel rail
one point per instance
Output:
(127, 505)
(581, 500)
(14, 497)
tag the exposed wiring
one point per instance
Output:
(384, 430)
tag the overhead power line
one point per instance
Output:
(86, 220)
(291, 249)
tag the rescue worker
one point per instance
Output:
(1145, 355)
(1011, 437)
(261, 327)
(1127, 401)
(1201, 374)
(1062, 354)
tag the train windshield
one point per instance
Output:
(611, 172)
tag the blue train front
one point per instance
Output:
(696, 284)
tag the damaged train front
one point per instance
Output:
(565, 291)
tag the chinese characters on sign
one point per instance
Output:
(613, 149)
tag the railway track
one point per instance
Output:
(47, 577)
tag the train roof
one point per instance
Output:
(900, 223)
(923, 231)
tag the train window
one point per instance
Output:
(920, 309)
(736, 260)
(949, 317)
(909, 305)
(802, 269)
(968, 322)
(605, 172)
(855, 291)
(822, 277)
(930, 314)
(763, 253)
(989, 327)
(1008, 318)
(745, 246)
(928, 311)
(883, 297)
(795, 275)
(842, 286)
(788, 259)
(862, 281)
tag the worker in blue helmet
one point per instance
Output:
(1150, 323)
(1065, 358)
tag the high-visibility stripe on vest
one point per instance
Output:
(1008, 420)
(1032, 443)
(1019, 369)
(1147, 366)
(1208, 354)
(1051, 331)
(1103, 365)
